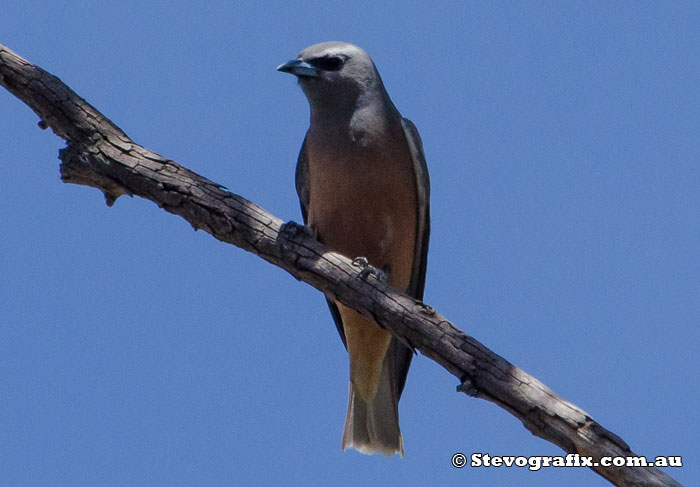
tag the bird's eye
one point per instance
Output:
(328, 63)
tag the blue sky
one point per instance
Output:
(563, 143)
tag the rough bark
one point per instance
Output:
(101, 155)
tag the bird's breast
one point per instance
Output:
(363, 201)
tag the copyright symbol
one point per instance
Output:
(459, 460)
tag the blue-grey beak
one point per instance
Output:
(297, 67)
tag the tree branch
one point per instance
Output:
(99, 154)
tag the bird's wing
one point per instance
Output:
(420, 170)
(400, 354)
(302, 185)
(302, 181)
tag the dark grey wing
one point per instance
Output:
(400, 354)
(302, 185)
(420, 169)
(301, 181)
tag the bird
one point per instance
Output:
(364, 190)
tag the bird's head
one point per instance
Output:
(335, 75)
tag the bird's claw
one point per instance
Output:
(426, 309)
(468, 387)
(291, 230)
(366, 269)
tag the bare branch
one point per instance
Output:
(99, 154)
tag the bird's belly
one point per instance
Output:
(366, 208)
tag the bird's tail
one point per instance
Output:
(373, 427)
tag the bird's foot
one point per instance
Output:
(468, 387)
(366, 269)
(291, 230)
(426, 309)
